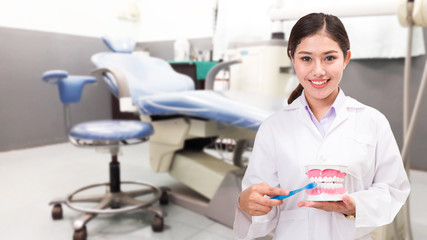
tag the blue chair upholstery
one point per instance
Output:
(111, 135)
(145, 75)
(70, 87)
(156, 89)
(120, 45)
(111, 130)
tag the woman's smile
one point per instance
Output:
(319, 83)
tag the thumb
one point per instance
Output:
(276, 191)
(348, 201)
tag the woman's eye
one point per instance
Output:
(329, 58)
(306, 59)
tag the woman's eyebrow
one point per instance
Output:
(324, 53)
(330, 52)
(304, 52)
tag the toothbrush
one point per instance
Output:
(308, 186)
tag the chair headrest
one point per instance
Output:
(120, 45)
(144, 75)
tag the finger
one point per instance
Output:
(265, 189)
(271, 192)
(349, 204)
(304, 204)
(348, 201)
(270, 202)
(258, 213)
(259, 209)
(276, 202)
(326, 206)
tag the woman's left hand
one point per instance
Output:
(346, 206)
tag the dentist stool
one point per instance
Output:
(109, 135)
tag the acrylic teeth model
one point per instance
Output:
(330, 182)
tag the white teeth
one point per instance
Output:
(319, 83)
(333, 179)
(330, 185)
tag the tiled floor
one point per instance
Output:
(33, 177)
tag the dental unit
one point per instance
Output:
(186, 121)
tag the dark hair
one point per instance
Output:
(311, 24)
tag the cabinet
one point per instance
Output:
(197, 70)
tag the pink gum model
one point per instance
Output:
(330, 182)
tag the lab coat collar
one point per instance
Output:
(348, 104)
(342, 112)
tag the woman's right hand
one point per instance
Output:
(252, 199)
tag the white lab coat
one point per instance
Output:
(361, 138)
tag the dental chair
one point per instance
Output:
(107, 135)
(185, 121)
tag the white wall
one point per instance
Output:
(170, 19)
(158, 19)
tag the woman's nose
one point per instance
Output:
(318, 69)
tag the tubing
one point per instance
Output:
(406, 79)
(414, 114)
(407, 71)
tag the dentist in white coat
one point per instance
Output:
(321, 125)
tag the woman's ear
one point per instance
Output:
(290, 56)
(347, 58)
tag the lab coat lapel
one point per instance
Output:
(343, 113)
(304, 117)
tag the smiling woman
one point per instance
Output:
(319, 60)
(319, 70)
(321, 127)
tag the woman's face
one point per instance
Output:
(319, 63)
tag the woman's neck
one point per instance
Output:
(319, 107)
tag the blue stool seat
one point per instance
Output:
(108, 132)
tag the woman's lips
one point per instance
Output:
(319, 83)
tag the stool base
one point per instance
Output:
(112, 203)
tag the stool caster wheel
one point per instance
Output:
(164, 198)
(157, 224)
(57, 212)
(80, 234)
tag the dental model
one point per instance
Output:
(330, 182)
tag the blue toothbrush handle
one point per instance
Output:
(308, 186)
(281, 197)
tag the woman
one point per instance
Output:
(321, 126)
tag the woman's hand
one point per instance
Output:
(252, 199)
(346, 206)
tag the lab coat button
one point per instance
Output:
(323, 159)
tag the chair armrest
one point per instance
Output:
(115, 79)
(117, 82)
(53, 76)
(210, 77)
